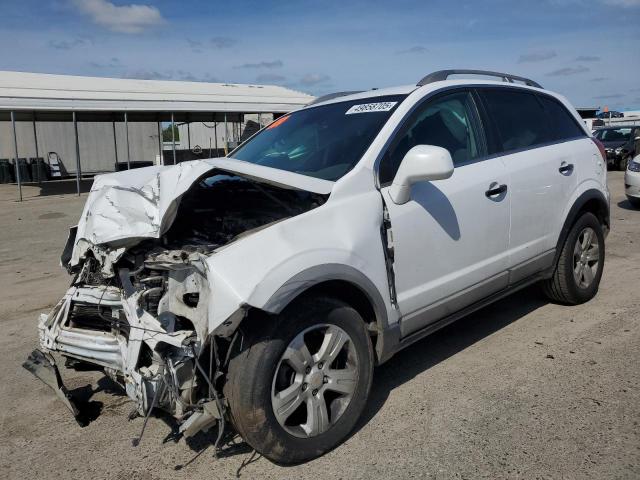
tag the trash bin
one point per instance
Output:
(39, 169)
(23, 167)
(6, 171)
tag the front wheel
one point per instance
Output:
(298, 387)
(623, 163)
(577, 274)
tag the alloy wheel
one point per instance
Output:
(586, 257)
(310, 391)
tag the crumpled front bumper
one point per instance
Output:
(112, 340)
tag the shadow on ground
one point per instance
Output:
(626, 205)
(63, 187)
(445, 343)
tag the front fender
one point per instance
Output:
(323, 273)
(339, 241)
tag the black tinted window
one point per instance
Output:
(446, 122)
(519, 118)
(563, 125)
(614, 134)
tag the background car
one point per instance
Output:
(619, 143)
(632, 182)
(610, 114)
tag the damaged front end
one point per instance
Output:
(139, 308)
(146, 328)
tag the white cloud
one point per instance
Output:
(623, 3)
(270, 78)
(132, 18)
(566, 71)
(537, 56)
(415, 49)
(263, 64)
(223, 42)
(314, 79)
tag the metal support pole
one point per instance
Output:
(215, 135)
(189, 135)
(35, 144)
(160, 144)
(35, 135)
(126, 129)
(173, 138)
(15, 152)
(259, 121)
(115, 143)
(78, 172)
(226, 136)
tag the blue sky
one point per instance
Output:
(589, 50)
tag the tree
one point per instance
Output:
(166, 133)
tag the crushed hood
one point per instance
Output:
(126, 207)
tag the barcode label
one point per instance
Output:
(371, 107)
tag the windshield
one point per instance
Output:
(323, 142)
(613, 134)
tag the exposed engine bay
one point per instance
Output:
(143, 320)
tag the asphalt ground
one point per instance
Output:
(521, 389)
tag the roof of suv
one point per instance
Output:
(407, 89)
(433, 81)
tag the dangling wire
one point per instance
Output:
(222, 421)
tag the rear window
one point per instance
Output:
(613, 134)
(519, 117)
(563, 124)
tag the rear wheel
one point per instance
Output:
(576, 277)
(302, 381)
(634, 201)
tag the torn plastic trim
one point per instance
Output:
(44, 367)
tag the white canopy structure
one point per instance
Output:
(36, 91)
(33, 99)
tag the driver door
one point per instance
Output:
(451, 238)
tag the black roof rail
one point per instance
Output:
(331, 96)
(445, 74)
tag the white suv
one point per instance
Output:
(263, 288)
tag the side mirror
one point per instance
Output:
(422, 162)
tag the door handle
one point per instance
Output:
(495, 190)
(566, 168)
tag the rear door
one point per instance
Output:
(539, 170)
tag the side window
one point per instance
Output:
(447, 121)
(563, 124)
(519, 118)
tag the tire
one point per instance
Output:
(565, 286)
(255, 374)
(623, 163)
(634, 201)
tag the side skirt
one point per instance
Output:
(397, 342)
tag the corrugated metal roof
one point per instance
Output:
(37, 91)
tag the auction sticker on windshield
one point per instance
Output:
(371, 107)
